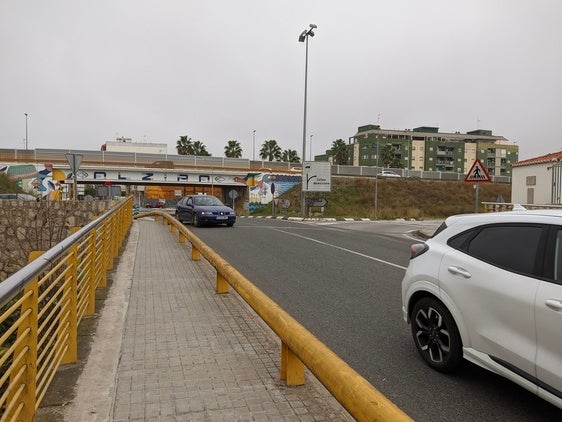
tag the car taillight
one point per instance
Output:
(418, 249)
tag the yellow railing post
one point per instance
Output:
(90, 282)
(27, 350)
(292, 369)
(222, 284)
(107, 247)
(195, 254)
(99, 267)
(112, 237)
(71, 294)
(181, 237)
(115, 238)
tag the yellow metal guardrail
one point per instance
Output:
(299, 347)
(42, 304)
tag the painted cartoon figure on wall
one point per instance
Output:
(261, 191)
(42, 181)
(263, 188)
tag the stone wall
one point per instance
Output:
(28, 225)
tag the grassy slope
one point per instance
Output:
(402, 198)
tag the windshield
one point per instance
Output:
(207, 200)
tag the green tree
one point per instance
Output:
(7, 185)
(200, 149)
(233, 149)
(388, 156)
(340, 152)
(290, 156)
(90, 190)
(270, 151)
(184, 146)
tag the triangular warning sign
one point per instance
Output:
(477, 173)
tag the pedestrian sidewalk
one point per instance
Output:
(168, 348)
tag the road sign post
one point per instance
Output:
(316, 178)
(477, 174)
(74, 160)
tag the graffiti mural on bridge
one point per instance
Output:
(41, 180)
(264, 187)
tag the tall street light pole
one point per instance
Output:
(25, 130)
(254, 146)
(310, 149)
(377, 184)
(303, 37)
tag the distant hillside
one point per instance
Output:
(396, 198)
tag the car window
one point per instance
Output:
(558, 257)
(513, 248)
(459, 241)
(441, 227)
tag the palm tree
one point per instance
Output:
(340, 152)
(270, 151)
(200, 149)
(184, 146)
(233, 149)
(387, 155)
(290, 156)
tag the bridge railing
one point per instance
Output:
(42, 304)
(131, 159)
(299, 347)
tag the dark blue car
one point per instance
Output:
(204, 209)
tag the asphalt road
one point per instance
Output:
(341, 280)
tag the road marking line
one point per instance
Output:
(382, 261)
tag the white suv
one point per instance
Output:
(488, 287)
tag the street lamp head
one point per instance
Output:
(307, 32)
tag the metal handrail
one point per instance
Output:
(42, 304)
(299, 346)
(508, 206)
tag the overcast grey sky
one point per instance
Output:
(88, 71)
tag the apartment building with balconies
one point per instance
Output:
(425, 148)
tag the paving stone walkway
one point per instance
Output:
(181, 352)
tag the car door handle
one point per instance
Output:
(554, 304)
(459, 271)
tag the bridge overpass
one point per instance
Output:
(47, 167)
(46, 170)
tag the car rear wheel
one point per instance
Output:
(436, 335)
